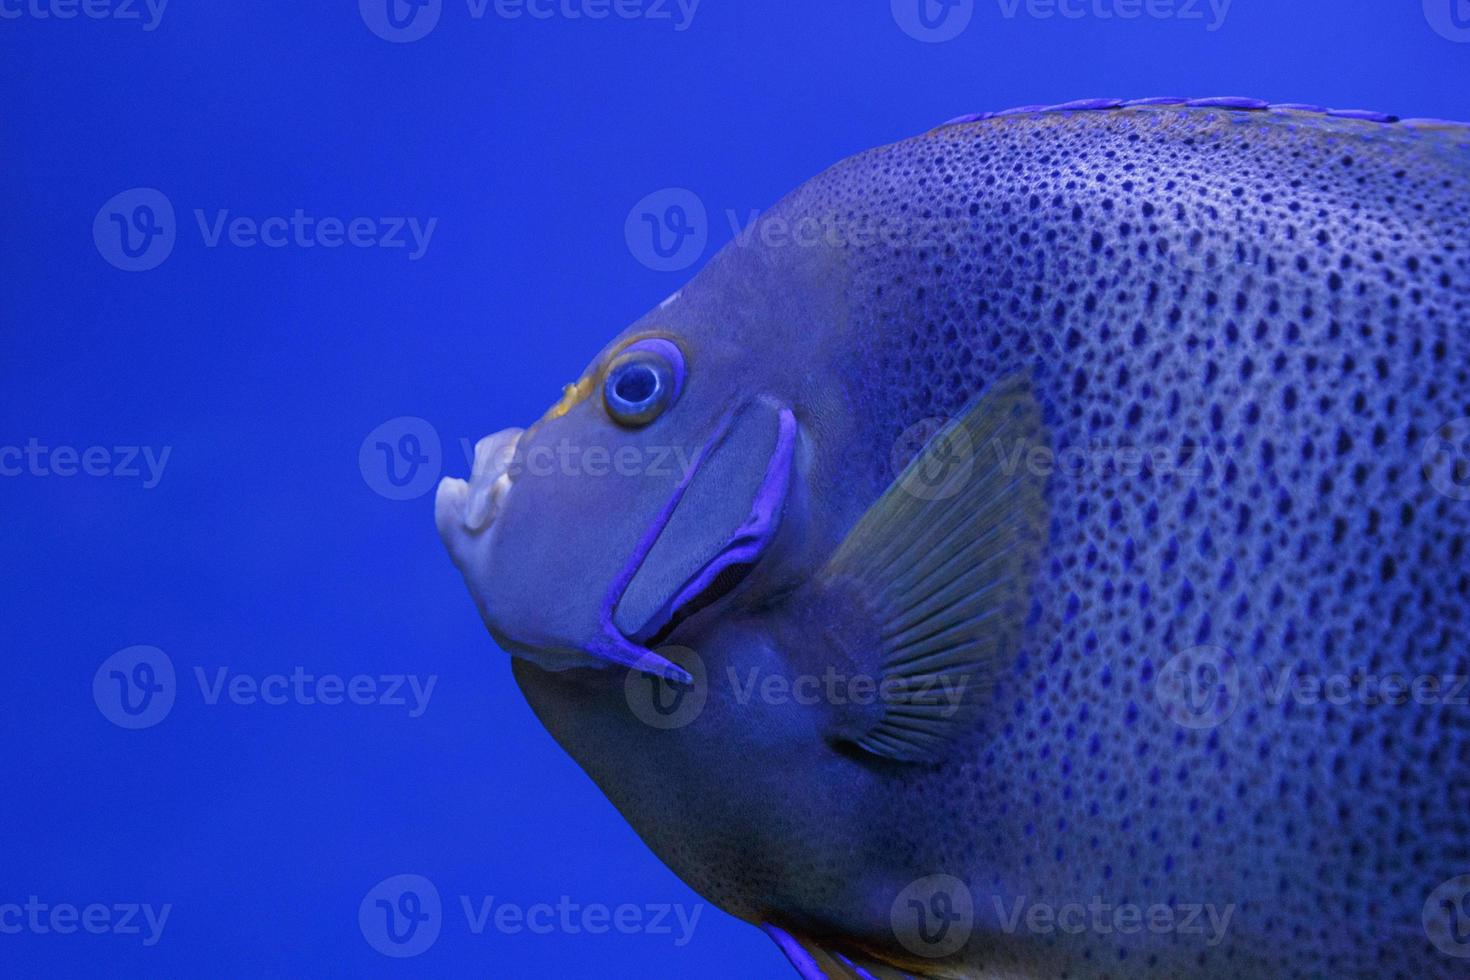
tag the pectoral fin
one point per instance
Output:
(943, 563)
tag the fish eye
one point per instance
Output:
(642, 382)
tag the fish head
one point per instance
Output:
(671, 470)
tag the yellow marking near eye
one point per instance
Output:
(571, 396)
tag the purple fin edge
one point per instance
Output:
(806, 964)
(857, 970)
(794, 951)
(1233, 103)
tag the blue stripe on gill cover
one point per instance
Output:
(1231, 103)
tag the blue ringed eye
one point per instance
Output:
(637, 383)
(638, 387)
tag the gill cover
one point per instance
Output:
(722, 521)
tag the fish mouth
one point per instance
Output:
(469, 506)
(465, 512)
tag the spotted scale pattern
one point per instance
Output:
(1273, 305)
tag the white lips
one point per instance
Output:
(472, 505)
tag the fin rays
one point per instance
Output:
(943, 569)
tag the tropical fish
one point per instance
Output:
(1036, 549)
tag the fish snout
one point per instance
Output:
(468, 507)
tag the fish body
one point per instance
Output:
(1126, 444)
